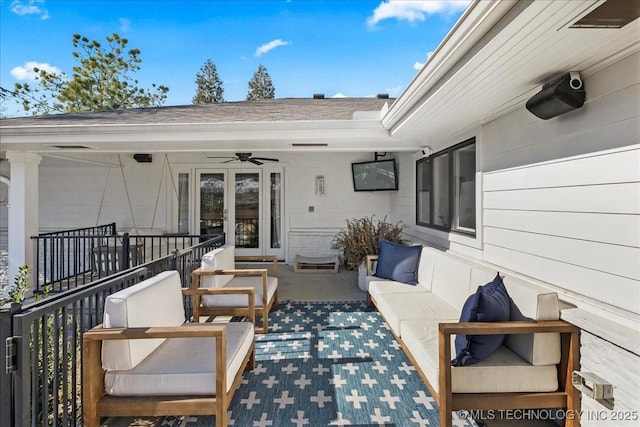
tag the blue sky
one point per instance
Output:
(347, 48)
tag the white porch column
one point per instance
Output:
(23, 211)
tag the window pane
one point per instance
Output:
(440, 216)
(183, 203)
(423, 196)
(464, 211)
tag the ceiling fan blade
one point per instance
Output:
(231, 160)
(220, 157)
(268, 159)
(254, 161)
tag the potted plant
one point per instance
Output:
(361, 238)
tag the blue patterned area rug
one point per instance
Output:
(327, 364)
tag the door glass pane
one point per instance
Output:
(247, 210)
(183, 203)
(464, 174)
(276, 214)
(211, 203)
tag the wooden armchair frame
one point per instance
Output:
(97, 403)
(566, 397)
(263, 307)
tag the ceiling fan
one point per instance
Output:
(245, 157)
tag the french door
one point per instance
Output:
(246, 204)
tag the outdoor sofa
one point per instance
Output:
(534, 359)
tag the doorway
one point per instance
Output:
(246, 204)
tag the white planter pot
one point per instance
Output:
(362, 278)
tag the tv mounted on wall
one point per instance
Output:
(378, 175)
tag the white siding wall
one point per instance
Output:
(311, 233)
(561, 197)
(572, 223)
(559, 201)
(71, 194)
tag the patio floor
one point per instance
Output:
(341, 286)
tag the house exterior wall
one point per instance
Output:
(76, 195)
(560, 202)
(312, 233)
(557, 200)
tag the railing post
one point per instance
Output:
(125, 252)
(7, 392)
(174, 259)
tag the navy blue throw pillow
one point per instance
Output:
(398, 262)
(490, 303)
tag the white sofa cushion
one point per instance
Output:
(451, 277)
(166, 372)
(240, 300)
(533, 302)
(222, 258)
(502, 372)
(379, 286)
(398, 307)
(156, 301)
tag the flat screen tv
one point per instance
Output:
(378, 175)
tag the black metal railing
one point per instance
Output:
(63, 255)
(41, 342)
(70, 258)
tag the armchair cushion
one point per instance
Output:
(183, 366)
(154, 302)
(398, 262)
(490, 303)
(255, 282)
(222, 258)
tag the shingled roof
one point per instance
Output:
(271, 110)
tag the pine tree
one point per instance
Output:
(101, 81)
(261, 86)
(209, 86)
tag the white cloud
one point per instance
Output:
(409, 10)
(269, 46)
(418, 65)
(125, 24)
(29, 7)
(339, 95)
(25, 72)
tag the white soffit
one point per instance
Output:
(526, 45)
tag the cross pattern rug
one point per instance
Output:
(327, 364)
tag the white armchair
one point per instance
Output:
(145, 361)
(218, 271)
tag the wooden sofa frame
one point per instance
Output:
(566, 397)
(263, 307)
(97, 404)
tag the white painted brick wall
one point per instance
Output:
(619, 367)
(311, 244)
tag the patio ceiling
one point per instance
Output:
(497, 57)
